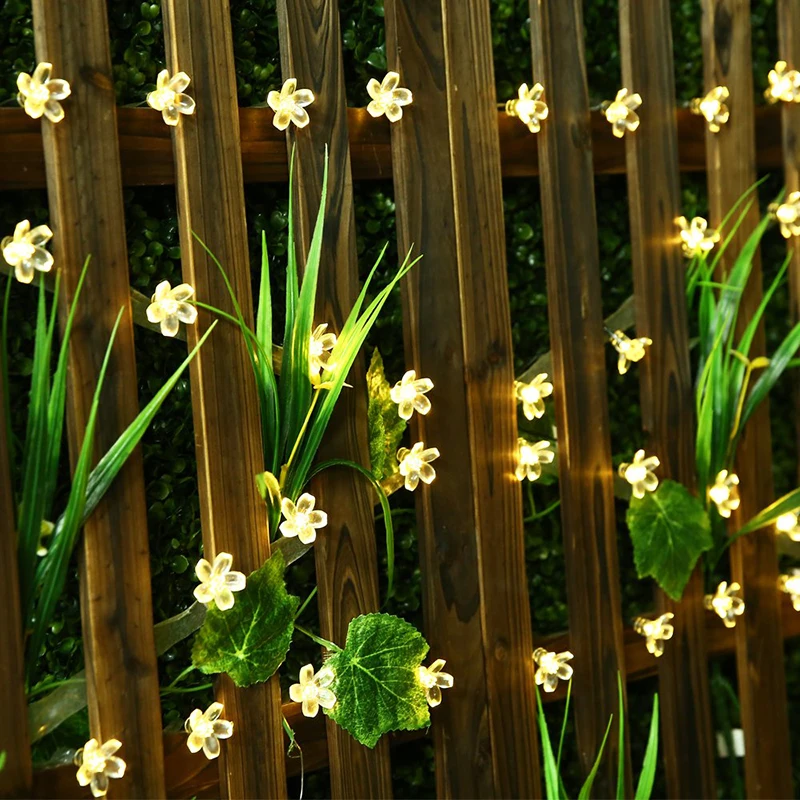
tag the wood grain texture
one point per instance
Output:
(345, 552)
(15, 778)
(87, 217)
(577, 342)
(146, 147)
(667, 399)
(225, 407)
(731, 170)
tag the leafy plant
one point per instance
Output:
(386, 427)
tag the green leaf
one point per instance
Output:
(250, 640)
(551, 776)
(648, 774)
(587, 786)
(377, 685)
(669, 529)
(386, 427)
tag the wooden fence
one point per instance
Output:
(447, 157)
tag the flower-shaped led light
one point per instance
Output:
(725, 492)
(629, 350)
(313, 691)
(791, 585)
(789, 524)
(205, 729)
(713, 108)
(696, 237)
(621, 112)
(388, 97)
(725, 603)
(639, 473)
(301, 519)
(530, 457)
(319, 352)
(788, 215)
(434, 680)
(168, 97)
(415, 464)
(169, 307)
(529, 107)
(97, 763)
(532, 395)
(655, 631)
(784, 84)
(551, 667)
(25, 250)
(289, 105)
(409, 394)
(218, 582)
(40, 94)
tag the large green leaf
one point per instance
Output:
(250, 640)
(377, 685)
(386, 426)
(669, 529)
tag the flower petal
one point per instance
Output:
(318, 519)
(310, 707)
(303, 97)
(99, 784)
(375, 108)
(224, 599)
(53, 111)
(40, 235)
(195, 742)
(178, 82)
(187, 313)
(393, 112)
(24, 272)
(115, 767)
(203, 570)
(184, 103)
(307, 535)
(24, 83)
(42, 72)
(222, 564)
(390, 82)
(296, 693)
(235, 581)
(305, 503)
(59, 89)
(223, 729)
(299, 116)
(326, 698)
(171, 115)
(406, 409)
(211, 747)
(422, 404)
(42, 260)
(402, 97)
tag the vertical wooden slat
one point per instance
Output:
(15, 778)
(665, 374)
(345, 552)
(730, 156)
(577, 341)
(457, 328)
(85, 194)
(210, 191)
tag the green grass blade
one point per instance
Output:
(783, 505)
(587, 786)
(647, 777)
(551, 779)
(563, 728)
(621, 754)
(6, 388)
(270, 420)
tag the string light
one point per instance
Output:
(530, 457)
(39, 94)
(791, 585)
(725, 493)
(289, 105)
(169, 97)
(787, 214)
(532, 395)
(218, 582)
(169, 307)
(434, 680)
(97, 764)
(388, 97)
(551, 667)
(788, 524)
(784, 84)
(621, 112)
(725, 603)
(409, 394)
(655, 631)
(205, 729)
(696, 237)
(25, 250)
(630, 350)
(639, 473)
(301, 519)
(415, 464)
(319, 352)
(529, 107)
(713, 107)
(313, 691)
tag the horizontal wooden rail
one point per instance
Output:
(146, 147)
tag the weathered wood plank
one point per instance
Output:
(577, 346)
(225, 405)
(731, 158)
(85, 194)
(146, 147)
(665, 374)
(345, 551)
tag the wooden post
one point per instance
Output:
(578, 342)
(754, 563)
(665, 374)
(345, 552)
(445, 155)
(226, 414)
(85, 194)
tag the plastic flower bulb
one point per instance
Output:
(25, 250)
(696, 237)
(218, 582)
(725, 493)
(169, 97)
(713, 108)
(530, 457)
(415, 464)
(388, 97)
(169, 307)
(289, 105)
(319, 352)
(639, 473)
(97, 764)
(725, 603)
(313, 691)
(784, 84)
(532, 395)
(434, 680)
(621, 113)
(788, 215)
(629, 350)
(788, 523)
(655, 631)
(551, 667)
(529, 107)
(409, 394)
(301, 519)
(205, 729)
(39, 94)
(791, 585)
